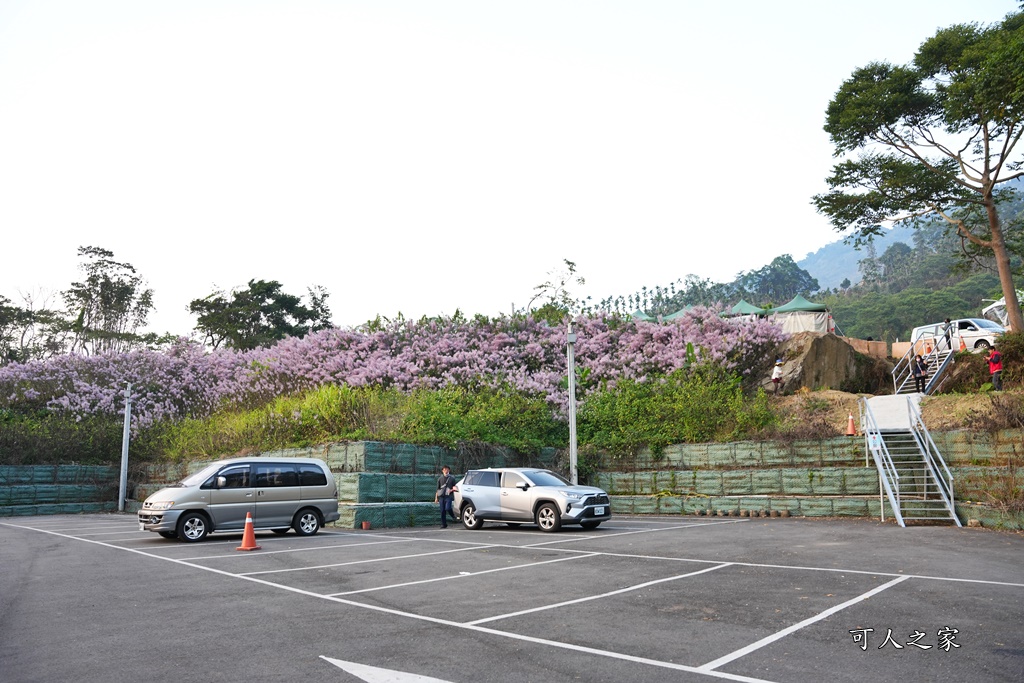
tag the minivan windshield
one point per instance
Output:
(987, 324)
(200, 476)
(546, 478)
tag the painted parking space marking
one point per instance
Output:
(353, 562)
(709, 669)
(721, 661)
(236, 556)
(608, 594)
(374, 674)
(462, 575)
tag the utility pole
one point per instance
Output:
(123, 488)
(573, 473)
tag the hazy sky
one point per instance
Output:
(426, 155)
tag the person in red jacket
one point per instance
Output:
(995, 367)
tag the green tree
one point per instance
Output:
(30, 331)
(108, 307)
(259, 315)
(777, 282)
(938, 137)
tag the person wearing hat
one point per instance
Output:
(443, 496)
(777, 376)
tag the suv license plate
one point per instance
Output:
(598, 511)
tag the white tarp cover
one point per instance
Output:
(804, 321)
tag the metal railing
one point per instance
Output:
(933, 459)
(938, 353)
(888, 477)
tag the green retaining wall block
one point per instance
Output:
(817, 507)
(389, 515)
(766, 481)
(737, 482)
(56, 493)
(797, 482)
(850, 507)
(17, 475)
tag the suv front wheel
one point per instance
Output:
(548, 517)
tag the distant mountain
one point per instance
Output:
(838, 261)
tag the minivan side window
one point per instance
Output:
(311, 475)
(276, 475)
(234, 478)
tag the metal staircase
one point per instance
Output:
(912, 474)
(936, 352)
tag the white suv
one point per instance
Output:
(528, 496)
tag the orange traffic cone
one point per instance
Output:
(249, 537)
(851, 429)
(963, 346)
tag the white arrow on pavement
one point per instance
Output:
(373, 674)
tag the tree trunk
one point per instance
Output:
(1014, 319)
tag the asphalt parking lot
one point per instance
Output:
(91, 598)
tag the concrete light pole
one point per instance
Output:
(573, 473)
(123, 488)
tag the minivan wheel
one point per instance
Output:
(548, 518)
(192, 527)
(307, 522)
(469, 519)
(982, 344)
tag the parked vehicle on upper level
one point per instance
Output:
(975, 333)
(525, 495)
(280, 494)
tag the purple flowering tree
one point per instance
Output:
(187, 380)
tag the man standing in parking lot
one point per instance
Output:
(443, 496)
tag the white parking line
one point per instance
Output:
(590, 537)
(297, 550)
(627, 589)
(796, 627)
(462, 575)
(376, 559)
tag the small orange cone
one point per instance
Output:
(851, 429)
(249, 537)
(963, 346)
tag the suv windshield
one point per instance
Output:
(546, 478)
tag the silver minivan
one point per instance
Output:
(967, 333)
(280, 494)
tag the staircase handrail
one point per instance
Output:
(932, 355)
(875, 445)
(932, 456)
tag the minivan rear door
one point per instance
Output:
(232, 496)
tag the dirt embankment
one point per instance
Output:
(831, 409)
